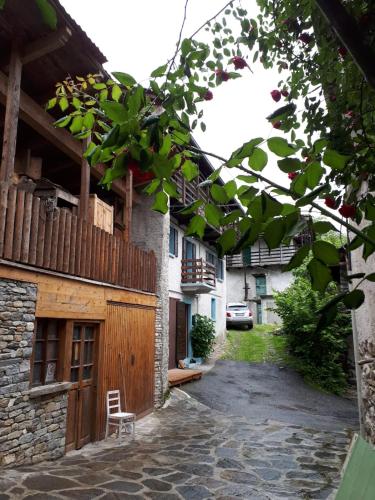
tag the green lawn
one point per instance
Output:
(258, 345)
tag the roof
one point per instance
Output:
(79, 56)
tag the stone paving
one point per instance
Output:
(188, 451)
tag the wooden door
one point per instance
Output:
(172, 333)
(82, 395)
(181, 331)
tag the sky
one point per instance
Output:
(138, 36)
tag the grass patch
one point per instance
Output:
(259, 345)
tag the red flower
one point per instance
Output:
(222, 75)
(208, 96)
(305, 38)
(239, 62)
(342, 51)
(292, 175)
(276, 95)
(347, 211)
(276, 124)
(284, 93)
(349, 114)
(330, 202)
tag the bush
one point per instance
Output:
(202, 336)
(320, 355)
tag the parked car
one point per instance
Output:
(239, 314)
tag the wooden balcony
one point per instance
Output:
(46, 237)
(197, 276)
(262, 257)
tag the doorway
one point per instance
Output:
(80, 423)
(178, 332)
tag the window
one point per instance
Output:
(260, 285)
(220, 269)
(45, 353)
(173, 241)
(211, 258)
(213, 308)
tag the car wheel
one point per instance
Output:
(250, 326)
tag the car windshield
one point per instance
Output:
(237, 307)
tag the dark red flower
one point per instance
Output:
(349, 114)
(330, 202)
(276, 95)
(222, 75)
(347, 211)
(276, 124)
(292, 175)
(342, 51)
(208, 96)
(305, 38)
(239, 62)
(284, 93)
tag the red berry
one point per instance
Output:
(292, 175)
(208, 96)
(305, 38)
(239, 62)
(284, 93)
(330, 202)
(276, 95)
(347, 211)
(222, 75)
(276, 124)
(342, 51)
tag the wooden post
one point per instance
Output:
(128, 203)
(11, 115)
(85, 184)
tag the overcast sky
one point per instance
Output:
(138, 36)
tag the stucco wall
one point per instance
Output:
(201, 303)
(276, 280)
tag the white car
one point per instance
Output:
(239, 314)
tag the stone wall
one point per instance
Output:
(367, 355)
(32, 425)
(150, 230)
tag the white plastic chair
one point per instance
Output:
(116, 417)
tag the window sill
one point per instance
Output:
(46, 390)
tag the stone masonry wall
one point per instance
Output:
(367, 355)
(31, 428)
(150, 230)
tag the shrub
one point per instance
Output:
(202, 336)
(320, 355)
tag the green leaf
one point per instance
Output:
(226, 241)
(63, 122)
(370, 277)
(246, 149)
(280, 146)
(64, 104)
(88, 121)
(215, 175)
(314, 172)
(354, 299)
(335, 160)
(51, 103)
(116, 93)
(274, 233)
(190, 170)
(48, 13)
(258, 159)
(271, 207)
(170, 188)
(289, 165)
(297, 258)
(125, 79)
(320, 275)
(309, 197)
(161, 202)
(322, 227)
(152, 187)
(249, 179)
(230, 188)
(326, 252)
(196, 226)
(190, 209)
(213, 215)
(282, 112)
(319, 145)
(219, 194)
(160, 71)
(115, 111)
(111, 138)
(76, 125)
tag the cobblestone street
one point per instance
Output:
(190, 451)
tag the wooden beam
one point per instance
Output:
(128, 203)
(85, 184)
(12, 91)
(46, 45)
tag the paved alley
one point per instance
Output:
(190, 451)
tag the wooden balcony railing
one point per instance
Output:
(198, 271)
(53, 238)
(263, 257)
